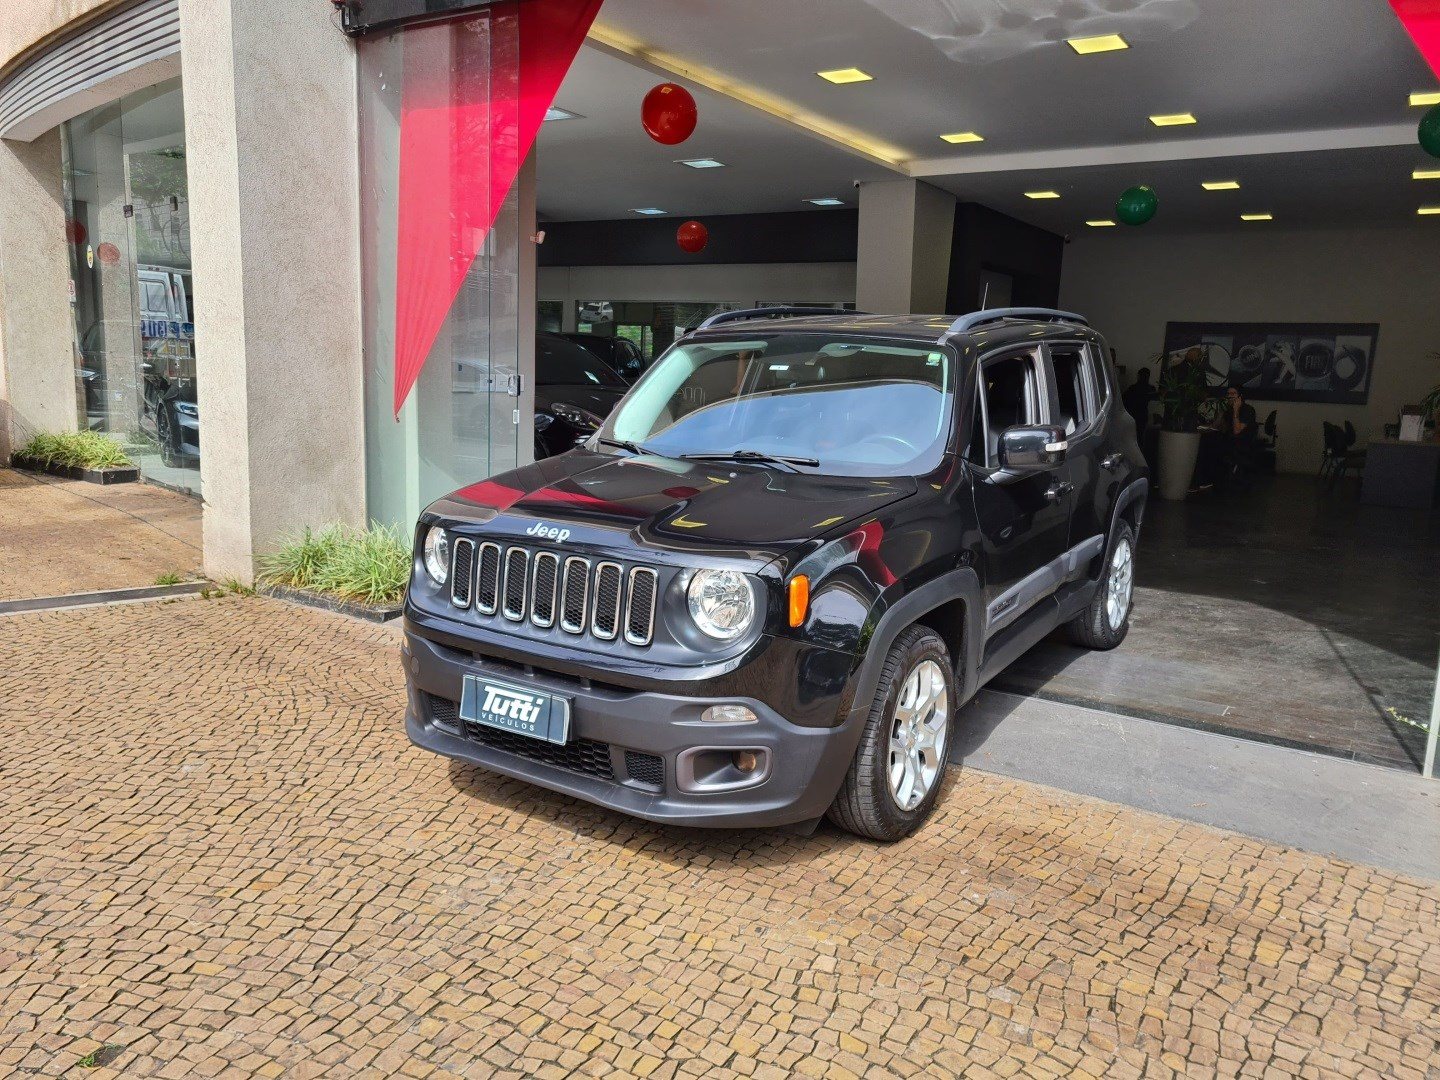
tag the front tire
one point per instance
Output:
(895, 777)
(1104, 624)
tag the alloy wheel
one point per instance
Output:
(1121, 585)
(918, 734)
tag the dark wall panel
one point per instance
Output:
(986, 239)
(801, 237)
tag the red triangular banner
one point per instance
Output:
(1422, 20)
(476, 92)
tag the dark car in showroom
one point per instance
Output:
(620, 353)
(574, 393)
(761, 592)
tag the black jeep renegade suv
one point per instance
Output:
(762, 591)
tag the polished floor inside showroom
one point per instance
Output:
(1287, 612)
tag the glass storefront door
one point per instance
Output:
(428, 133)
(128, 229)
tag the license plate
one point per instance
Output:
(516, 709)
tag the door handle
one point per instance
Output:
(1059, 490)
(1113, 462)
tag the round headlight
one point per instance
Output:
(721, 602)
(437, 554)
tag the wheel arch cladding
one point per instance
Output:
(954, 600)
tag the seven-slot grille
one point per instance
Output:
(576, 594)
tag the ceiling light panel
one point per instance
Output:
(1104, 43)
(1425, 174)
(1173, 119)
(1425, 97)
(702, 163)
(842, 76)
(1428, 211)
(958, 138)
(557, 113)
(1100, 224)
(1042, 194)
(649, 211)
(1257, 217)
(1221, 185)
(827, 201)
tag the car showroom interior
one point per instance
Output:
(1293, 220)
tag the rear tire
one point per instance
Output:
(898, 768)
(1104, 624)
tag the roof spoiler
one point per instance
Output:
(1039, 314)
(771, 313)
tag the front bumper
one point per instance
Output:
(634, 751)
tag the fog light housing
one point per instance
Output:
(746, 761)
(729, 714)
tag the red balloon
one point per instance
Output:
(109, 253)
(668, 114)
(692, 237)
(75, 231)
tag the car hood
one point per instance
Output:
(596, 399)
(603, 502)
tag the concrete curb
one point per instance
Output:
(108, 596)
(329, 603)
(126, 475)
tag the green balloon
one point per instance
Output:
(1430, 132)
(1137, 205)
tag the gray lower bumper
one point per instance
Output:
(805, 765)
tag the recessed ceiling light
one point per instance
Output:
(1257, 217)
(702, 163)
(1104, 43)
(1427, 211)
(1425, 97)
(1100, 224)
(557, 113)
(963, 137)
(1220, 185)
(649, 211)
(827, 201)
(1042, 194)
(1426, 174)
(844, 75)
(1172, 119)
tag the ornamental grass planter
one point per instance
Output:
(123, 474)
(356, 609)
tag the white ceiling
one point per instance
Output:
(603, 165)
(1327, 80)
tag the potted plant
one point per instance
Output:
(1182, 393)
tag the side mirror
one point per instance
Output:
(1032, 449)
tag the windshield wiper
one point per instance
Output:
(625, 444)
(755, 457)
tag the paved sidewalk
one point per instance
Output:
(59, 537)
(221, 857)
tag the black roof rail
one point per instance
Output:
(1039, 314)
(769, 313)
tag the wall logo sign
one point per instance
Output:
(1330, 363)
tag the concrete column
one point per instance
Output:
(37, 360)
(270, 128)
(906, 227)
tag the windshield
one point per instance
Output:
(562, 363)
(859, 406)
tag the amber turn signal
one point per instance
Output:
(799, 599)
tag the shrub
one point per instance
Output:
(370, 565)
(78, 449)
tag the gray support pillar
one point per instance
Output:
(270, 128)
(906, 227)
(37, 360)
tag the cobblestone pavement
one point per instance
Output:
(220, 856)
(66, 536)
